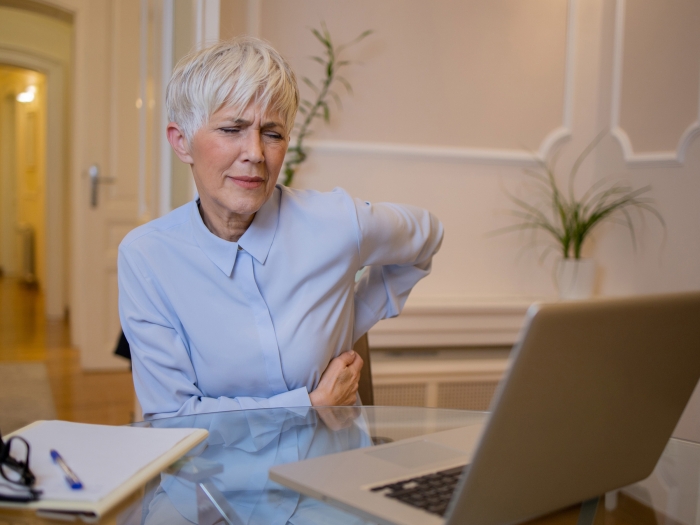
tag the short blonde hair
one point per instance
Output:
(231, 73)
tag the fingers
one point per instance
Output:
(357, 363)
(347, 358)
(350, 360)
(339, 382)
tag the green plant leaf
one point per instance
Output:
(326, 112)
(319, 108)
(345, 83)
(359, 38)
(336, 99)
(309, 83)
(326, 43)
(569, 221)
(584, 154)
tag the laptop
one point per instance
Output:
(593, 393)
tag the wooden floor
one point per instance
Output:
(26, 335)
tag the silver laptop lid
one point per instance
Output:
(588, 405)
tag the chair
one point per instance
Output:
(365, 388)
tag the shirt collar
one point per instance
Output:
(221, 252)
(257, 239)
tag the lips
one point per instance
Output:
(247, 182)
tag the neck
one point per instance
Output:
(230, 227)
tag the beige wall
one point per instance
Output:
(452, 97)
(450, 100)
(183, 43)
(436, 73)
(40, 34)
(660, 79)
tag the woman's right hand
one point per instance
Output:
(339, 382)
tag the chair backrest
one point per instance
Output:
(365, 389)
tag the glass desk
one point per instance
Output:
(224, 480)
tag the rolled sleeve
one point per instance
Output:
(397, 243)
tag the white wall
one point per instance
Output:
(451, 98)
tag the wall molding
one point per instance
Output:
(513, 157)
(651, 159)
(166, 67)
(453, 321)
(206, 22)
(143, 107)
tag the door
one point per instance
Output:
(122, 171)
(108, 180)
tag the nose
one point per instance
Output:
(254, 146)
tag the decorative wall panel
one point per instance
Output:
(656, 80)
(477, 81)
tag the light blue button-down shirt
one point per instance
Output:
(215, 325)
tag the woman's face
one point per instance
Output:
(236, 158)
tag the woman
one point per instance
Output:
(246, 297)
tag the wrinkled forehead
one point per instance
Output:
(260, 104)
(252, 111)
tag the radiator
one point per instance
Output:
(446, 379)
(27, 252)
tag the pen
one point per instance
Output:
(71, 478)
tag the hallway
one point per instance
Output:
(26, 336)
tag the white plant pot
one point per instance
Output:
(575, 278)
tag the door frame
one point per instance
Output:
(78, 324)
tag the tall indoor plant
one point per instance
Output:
(319, 108)
(568, 220)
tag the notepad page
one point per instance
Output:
(103, 457)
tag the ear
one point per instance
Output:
(179, 143)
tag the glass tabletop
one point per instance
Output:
(225, 478)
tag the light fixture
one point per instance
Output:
(27, 95)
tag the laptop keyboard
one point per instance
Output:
(431, 492)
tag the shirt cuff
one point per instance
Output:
(293, 398)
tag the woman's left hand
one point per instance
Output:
(339, 382)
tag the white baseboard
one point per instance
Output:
(452, 321)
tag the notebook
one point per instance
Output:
(592, 395)
(111, 462)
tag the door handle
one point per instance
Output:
(95, 180)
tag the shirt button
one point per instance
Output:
(239, 248)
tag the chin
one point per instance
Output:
(246, 205)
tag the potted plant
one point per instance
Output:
(568, 220)
(319, 108)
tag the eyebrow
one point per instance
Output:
(266, 125)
